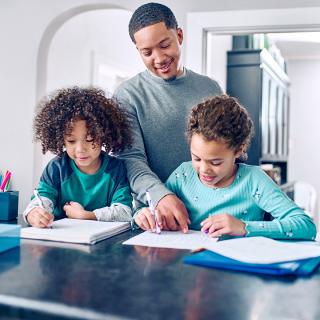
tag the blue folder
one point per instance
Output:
(214, 260)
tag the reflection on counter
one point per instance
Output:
(9, 259)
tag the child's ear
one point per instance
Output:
(240, 151)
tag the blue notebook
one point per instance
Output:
(214, 260)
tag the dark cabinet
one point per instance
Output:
(262, 86)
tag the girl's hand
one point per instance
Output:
(145, 220)
(75, 210)
(40, 218)
(223, 224)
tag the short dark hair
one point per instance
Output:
(222, 118)
(149, 14)
(106, 123)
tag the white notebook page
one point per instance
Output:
(263, 250)
(172, 239)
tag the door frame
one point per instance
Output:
(243, 22)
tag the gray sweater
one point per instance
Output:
(158, 110)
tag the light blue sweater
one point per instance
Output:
(250, 195)
(158, 111)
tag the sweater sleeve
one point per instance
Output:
(48, 190)
(290, 222)
(140, 176)
(116, 212)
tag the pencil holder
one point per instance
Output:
(9, 205)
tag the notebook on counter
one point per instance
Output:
(76, 231)
(260, 255)
(211, 259)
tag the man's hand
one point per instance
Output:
(172, 214)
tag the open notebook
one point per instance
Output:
(76, 231)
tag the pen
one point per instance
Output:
(153, 211)
(37, 195)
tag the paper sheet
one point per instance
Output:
(263, 250)
(172, 239)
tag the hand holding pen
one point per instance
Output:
(153, 212)
(38, 216)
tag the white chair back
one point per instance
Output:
(305, 196)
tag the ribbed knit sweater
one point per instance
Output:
(250, 195)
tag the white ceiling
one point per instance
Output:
(302, 45)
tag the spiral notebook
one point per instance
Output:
(76, 231)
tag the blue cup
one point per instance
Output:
(9, 205)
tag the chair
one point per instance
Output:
(305, 196)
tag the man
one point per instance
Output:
(158, 101)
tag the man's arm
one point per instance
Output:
(142, 178)
(139, 174)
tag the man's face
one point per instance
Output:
(159, 48)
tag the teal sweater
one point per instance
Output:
(158, 111)
(62, 182)
(250, 195)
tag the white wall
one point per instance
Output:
(304, 157)
(23, 25)
(71, 58)
(217, 47)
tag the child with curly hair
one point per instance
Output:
(222, 195)
(82, 181)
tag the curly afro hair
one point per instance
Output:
(222, 118)
(106, 123)
(149, 14)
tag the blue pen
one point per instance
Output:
(153, 211)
